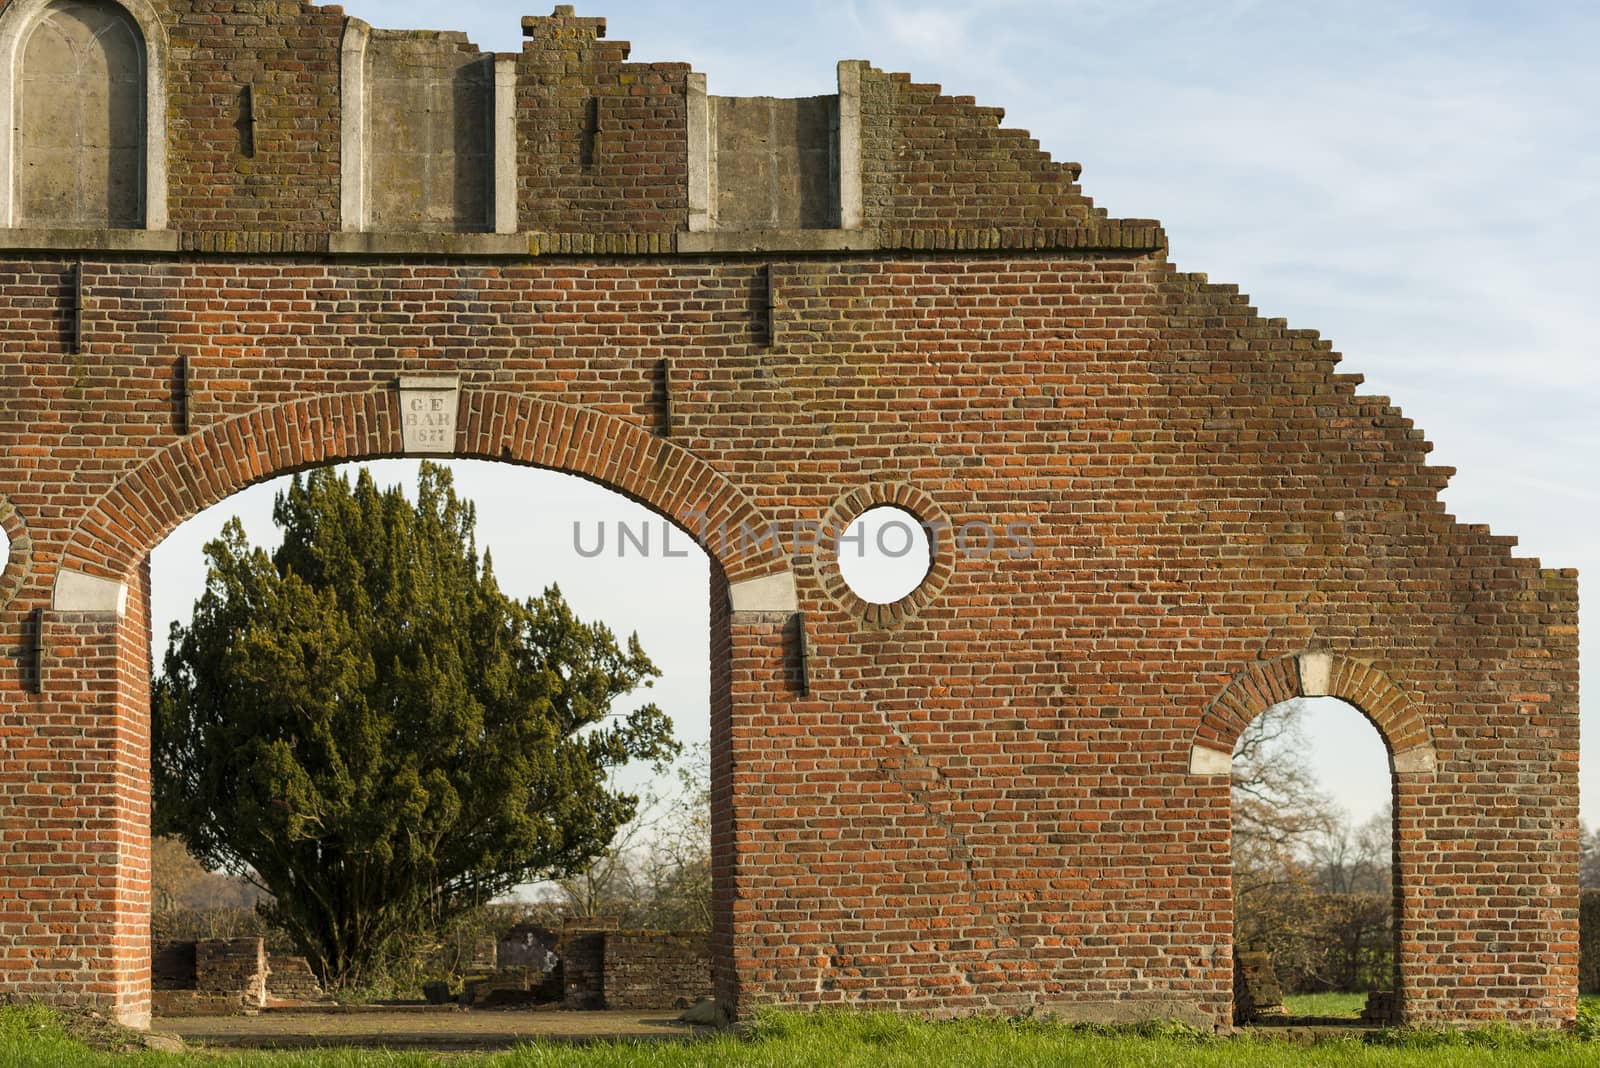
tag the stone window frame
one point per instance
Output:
(16, 24)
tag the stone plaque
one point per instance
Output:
(428, 415)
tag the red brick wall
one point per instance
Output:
(287, 52)
(984, 802)
(935, 161)
(602, 143)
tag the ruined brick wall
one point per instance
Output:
(933, 161)
(1008, 791)
(583, 968)
(290, 978)
(656, 969)
(254, 105)
(602, 143)
(235, 968)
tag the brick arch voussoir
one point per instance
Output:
(629, 460)
(207, 467)
(1396, 716)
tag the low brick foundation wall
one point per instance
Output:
(220, 977)
(656, 969)
(291, 979)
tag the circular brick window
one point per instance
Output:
(882, 557)
(884, 554)
(14, 552)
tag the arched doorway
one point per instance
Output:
(104, 587)
(1367, 689)
(1313, 864)
(614, 562)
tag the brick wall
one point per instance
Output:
(290, 978)
(996, 795)
(235, 968)
(583, 969)
(253, 96)
(602, 143)
(656, 969)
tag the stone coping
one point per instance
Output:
(1115, 236)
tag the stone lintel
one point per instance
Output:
(375, 243)
(21, 239)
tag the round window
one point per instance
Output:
(884, 554)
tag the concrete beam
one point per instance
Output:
(769, 593)
(353, 126)
(779, 241)
(90, 240)
(852, 209)
(427, 243)
(505, 145)
(79, 592)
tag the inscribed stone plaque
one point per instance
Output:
(428, 415)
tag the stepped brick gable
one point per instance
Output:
(1007, 791)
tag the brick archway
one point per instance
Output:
(192, 474)
(101, 587)
(1390, 709)
(1412, 760)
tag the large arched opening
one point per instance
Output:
(104, 587)
(612, 562)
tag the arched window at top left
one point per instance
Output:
(80, 119)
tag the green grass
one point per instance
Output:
(34, 1038)
(1325, 1004)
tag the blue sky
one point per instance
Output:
(1418, 183)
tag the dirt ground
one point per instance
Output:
(420, 1028)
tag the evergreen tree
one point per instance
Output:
(364, 721)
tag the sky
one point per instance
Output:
(1418, 183)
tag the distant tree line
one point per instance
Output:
(1310, 888)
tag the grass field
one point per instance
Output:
(35, 1038)
(1325, 1004)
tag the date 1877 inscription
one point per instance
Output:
(428, 414)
